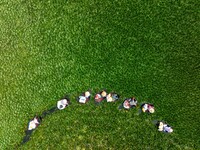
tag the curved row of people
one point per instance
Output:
(85, 97)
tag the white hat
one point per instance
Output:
(151, 110)
(170, 130)
(87, 94)
(103, 93)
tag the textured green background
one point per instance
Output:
(149, 49)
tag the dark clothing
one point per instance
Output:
(48, 112)
(27, 136)
(29, 132)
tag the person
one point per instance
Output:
(163, 127)
(112, 97)
(33, 124)
(148, 108)
(61, 104)
(100, 96)
(129, 103)
(84, 98)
